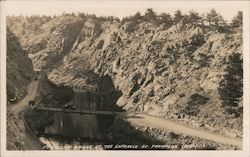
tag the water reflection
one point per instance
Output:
(75, 125)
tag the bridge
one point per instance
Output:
(84, 99)
(97, 112)
(85, 89)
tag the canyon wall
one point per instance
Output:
(172, 72)
(19, 74)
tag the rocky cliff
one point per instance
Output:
(19, 68)
(171, 72)
(15, 131)
(19, 74)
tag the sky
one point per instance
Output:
(228, 9)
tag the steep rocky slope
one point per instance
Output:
(26, 28)
(19, 68)
(19, 74)
(172, 73)
(56, 39)
(15, 131)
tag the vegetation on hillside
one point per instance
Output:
(231, 87)
(164, 64)
(28, 25)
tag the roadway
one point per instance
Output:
(136, 118)
(31, 95)
(30, 143)
(168, 125)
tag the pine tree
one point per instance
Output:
(177, 17)
(237, 21)
(150, 15)
(214, 18)
(137, 16)
(231, 87)
(195, 18)
(166, 19)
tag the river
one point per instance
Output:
(76, 125)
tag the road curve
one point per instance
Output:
(30, 143)
(136, 118)
(31, 95)
(151, 121)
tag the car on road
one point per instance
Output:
(31, 103)
(13, 100)
(69, 106)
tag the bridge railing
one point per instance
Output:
(75, 111)
(85, 88)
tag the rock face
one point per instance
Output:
(15, 132)
(56, 39)
(159, 71)
(19, 74)
(19, 68)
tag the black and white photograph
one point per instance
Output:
(124, 76)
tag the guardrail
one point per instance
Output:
(75, 111)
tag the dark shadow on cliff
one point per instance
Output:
(108, 94)
(123, 133)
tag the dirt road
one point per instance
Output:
(151, 121)
(32, 91)
(136, 118)
(30, 143)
